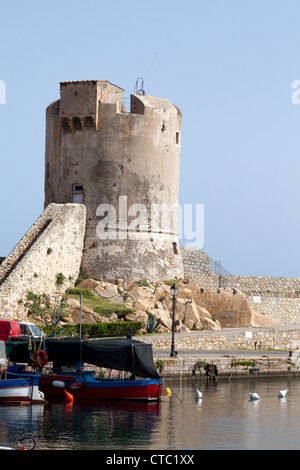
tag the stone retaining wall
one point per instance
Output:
(235, 340)
(55, 249)
(195, 261)
(194, 367)
(27, 240)
(278, 297)
(280, 338)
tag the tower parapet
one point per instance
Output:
(124, 167)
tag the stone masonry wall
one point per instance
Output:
(195, 261)
(27, 240)
(57, 248)
(278, 297)
(285, 337)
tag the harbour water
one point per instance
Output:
(224, 419)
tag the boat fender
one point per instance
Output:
(76, 385)
(58, 384)
(68, 396)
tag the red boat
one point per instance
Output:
(85, 386)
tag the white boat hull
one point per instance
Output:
(20, 391)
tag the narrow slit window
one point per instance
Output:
(66, 126)
(177, 137)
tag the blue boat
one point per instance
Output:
(20, 389)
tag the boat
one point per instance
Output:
(86, 386)
(18, 388)
(70, 375)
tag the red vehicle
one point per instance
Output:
(9, 330)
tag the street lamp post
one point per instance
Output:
(174, 292)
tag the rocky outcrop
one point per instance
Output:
(195, 309)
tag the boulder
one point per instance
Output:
(258, 319)
(188, 313)
(165, 317)
(207, 321)
(104, 289)
(181, 327)
(146, 305)
(231, 308)
(113, 317)
(138, 315)
(87, 315)
(136, 292)
(89, 283)
(109, 291)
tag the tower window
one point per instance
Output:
(65, 126)
(88, 123)
(77, 193)
(177, 137)
(76, 124)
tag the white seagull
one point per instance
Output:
(282, 393)
(198, 394)
(254, 396)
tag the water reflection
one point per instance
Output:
(94, 425)
(19, 421)
(224, 418)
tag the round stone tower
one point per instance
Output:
(123, 165)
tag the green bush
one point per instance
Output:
(77, 291)
(97, 330)
(106, 310)
(60, 279)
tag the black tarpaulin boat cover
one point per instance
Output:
(115, 353)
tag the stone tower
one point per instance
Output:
(124, 167)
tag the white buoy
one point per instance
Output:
(198, 394)
(282, 393)
(254, 396)
(58, 384)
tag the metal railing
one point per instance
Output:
(218, 269)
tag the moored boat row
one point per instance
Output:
(66, 374)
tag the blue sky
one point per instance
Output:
(228, 65)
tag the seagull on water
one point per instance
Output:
(198, 394)
(282, 393)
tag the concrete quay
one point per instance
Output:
(234, 352)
